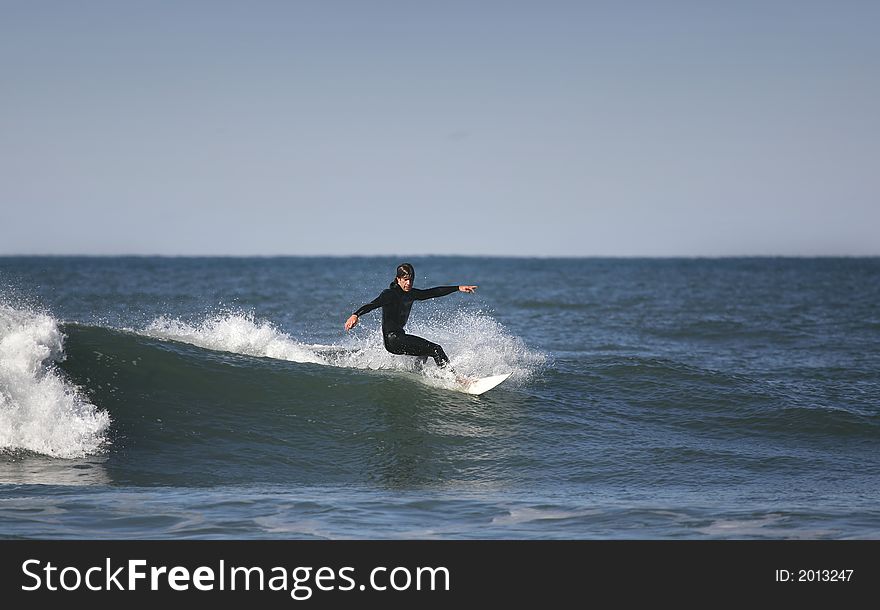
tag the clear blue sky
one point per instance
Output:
(704, 128)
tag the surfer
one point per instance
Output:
(396, 302)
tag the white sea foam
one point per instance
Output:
(477, 345)
(40, 410)
(770, 525)
(519, 516)
(237, 333)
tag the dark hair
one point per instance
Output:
(406, 270)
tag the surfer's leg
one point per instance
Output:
(440, 356)
(411, 345)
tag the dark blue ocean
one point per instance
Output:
(650, 398)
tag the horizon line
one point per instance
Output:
(412, 255)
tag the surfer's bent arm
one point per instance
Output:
(383, 299)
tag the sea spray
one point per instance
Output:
(238, 333)
(477, 344)
(40, 411)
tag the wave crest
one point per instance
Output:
(40, 411)
(477, 344)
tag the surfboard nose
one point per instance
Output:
(484, 384)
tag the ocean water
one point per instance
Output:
(160, 398)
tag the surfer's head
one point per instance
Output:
(405, 276)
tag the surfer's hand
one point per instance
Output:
(467, 288)
(351, 322)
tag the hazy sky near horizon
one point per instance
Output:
(543, 128)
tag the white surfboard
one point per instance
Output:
(481, 385)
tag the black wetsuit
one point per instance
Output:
(396, 305)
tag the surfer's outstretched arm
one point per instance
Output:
(439, 291)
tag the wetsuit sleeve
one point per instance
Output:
(384, 298)
(431, 293)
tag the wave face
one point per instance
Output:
(232, 399)
(40, 410)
